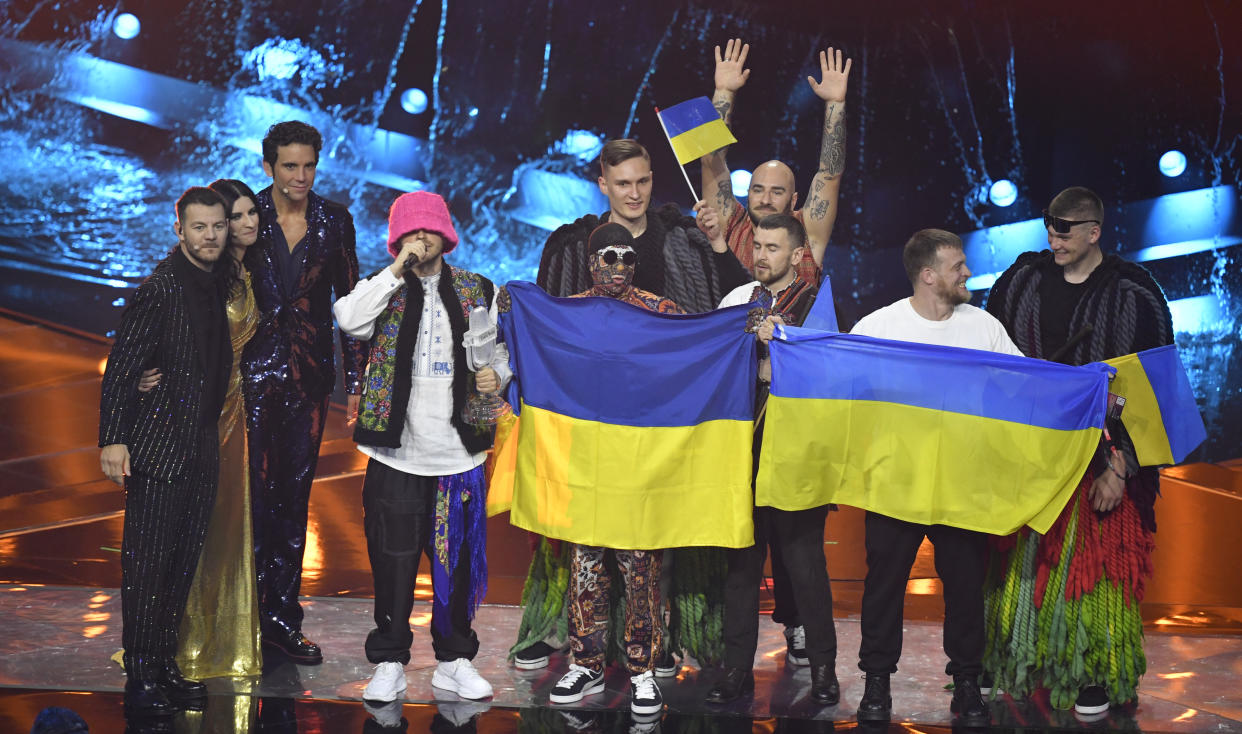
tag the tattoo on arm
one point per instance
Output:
(819, 210)
(725, 108)
(725, 200)
(832, 151)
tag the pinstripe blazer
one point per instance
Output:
(160, 427)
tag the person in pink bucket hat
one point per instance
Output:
(424, 488)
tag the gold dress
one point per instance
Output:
(220, 628)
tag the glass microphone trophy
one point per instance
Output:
(481, 409)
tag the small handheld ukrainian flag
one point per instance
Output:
(694, 129)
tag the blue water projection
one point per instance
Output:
(956, 119)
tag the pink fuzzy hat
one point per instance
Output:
(420, 210)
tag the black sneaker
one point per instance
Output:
(877, 701)
(1091, 700)
(645, 698)
(795, 647)
(578, 683)
(533, 657)
(666, 666)
(968, 703)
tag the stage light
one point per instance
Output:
(126, 26)
(414, 101)
(581, 143)
(1003, 192)
(741, 182)
(1173, 163)
(474, 112)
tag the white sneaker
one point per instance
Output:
(459, 676)
(387, 716)
(387, 684)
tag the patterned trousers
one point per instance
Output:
(589, 612)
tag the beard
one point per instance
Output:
(755, 217)
(953, 294)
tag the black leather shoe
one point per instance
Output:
(731, 686)
(968, 702)
(877, 701)
(145, 700)
(180, 689)
(824, 686)
(293, 645)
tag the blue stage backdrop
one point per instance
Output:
(963, 115)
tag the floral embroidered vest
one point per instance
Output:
(390, 364)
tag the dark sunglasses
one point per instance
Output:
(610, 257)
(1062, 226)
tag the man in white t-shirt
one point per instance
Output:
(936, 313)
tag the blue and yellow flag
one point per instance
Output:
(927, 434)
(694, 129)
(635, 427)
(1160, 412)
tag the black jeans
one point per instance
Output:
(399, 518)
(961, 563)
(800, 537)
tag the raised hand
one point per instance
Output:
(730, 72)
(834, 76)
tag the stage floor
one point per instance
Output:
(62, 638)
(60, 532)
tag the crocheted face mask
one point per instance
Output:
(612, 270)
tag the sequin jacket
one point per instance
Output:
(160, 427)
(293, 342)
(390, 365)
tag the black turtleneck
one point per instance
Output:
(205, 300)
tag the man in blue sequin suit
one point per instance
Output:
(305, 255)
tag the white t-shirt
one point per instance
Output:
(967, 327)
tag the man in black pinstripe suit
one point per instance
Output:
(163, 448)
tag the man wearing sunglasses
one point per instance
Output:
(797, 538)
(1075, 304)
(613, 264)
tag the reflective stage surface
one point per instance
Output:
(61, 638)
(60, 527)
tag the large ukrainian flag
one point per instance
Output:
(927, 434)
(1160, 413)
(635, 427)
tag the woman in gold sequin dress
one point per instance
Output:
(220, 627)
